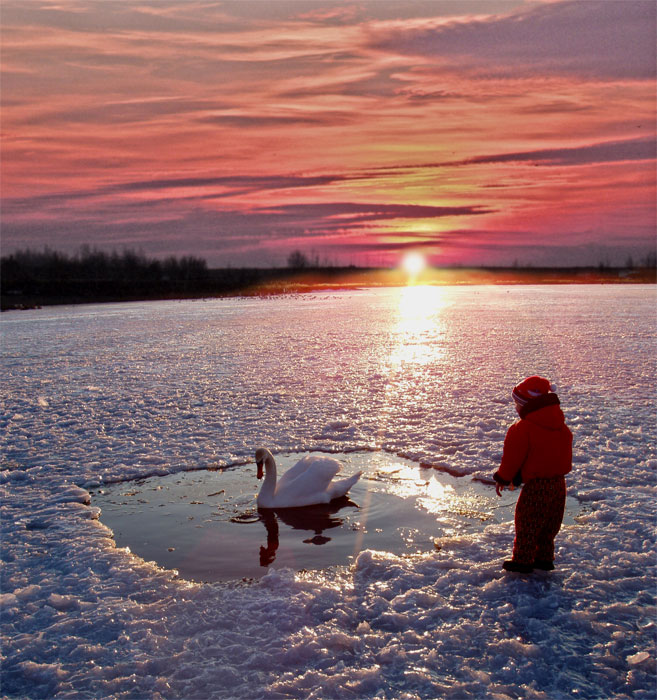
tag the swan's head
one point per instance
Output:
(260, 456)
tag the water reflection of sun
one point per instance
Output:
(419, 325)
(405, 481)
(417, 341)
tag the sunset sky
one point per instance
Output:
(477, 132)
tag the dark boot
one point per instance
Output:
(544, 565)
(517, 567)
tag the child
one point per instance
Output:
(537, 452)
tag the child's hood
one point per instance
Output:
(549, 418)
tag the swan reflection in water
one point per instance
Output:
(316, 518)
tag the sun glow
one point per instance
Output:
(413, 264)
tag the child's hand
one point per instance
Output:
(499, 488)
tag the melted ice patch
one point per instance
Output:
(206, 525)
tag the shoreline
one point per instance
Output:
(273, 282)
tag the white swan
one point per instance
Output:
(308, 482)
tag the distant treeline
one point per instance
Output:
(35, 278)
(32, 278)
(97, 274)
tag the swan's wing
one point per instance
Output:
(341, 486)
(310, 485)
(293, 472)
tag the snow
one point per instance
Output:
(95, 394)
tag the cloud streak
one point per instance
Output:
(631, 150)
(240, 131)
(602, 38)
(613, 152)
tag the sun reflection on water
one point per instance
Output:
(410, 481)
(419, 325)
(412, 366)
(439, 496)
(431, 491)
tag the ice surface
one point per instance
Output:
(97, 394)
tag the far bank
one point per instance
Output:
(43, 289)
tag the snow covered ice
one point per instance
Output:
(96, 394)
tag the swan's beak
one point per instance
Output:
(260, 473)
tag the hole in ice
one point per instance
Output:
(206, 523)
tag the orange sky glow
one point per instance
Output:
(478, 132)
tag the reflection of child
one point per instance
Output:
(537, 452)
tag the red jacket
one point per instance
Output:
(540, 445)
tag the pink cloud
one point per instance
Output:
(603, 38)
(239, 130)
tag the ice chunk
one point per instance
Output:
(63, 602)
(278, 579)
(73, 494)
(7, 600)
(638, 658)
(42, 673)
(27, 593)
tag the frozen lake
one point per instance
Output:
(101, 395)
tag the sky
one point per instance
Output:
(475, 132)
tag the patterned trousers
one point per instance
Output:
(539, 512)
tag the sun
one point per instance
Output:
(413, 264)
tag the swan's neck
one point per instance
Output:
(268, 488)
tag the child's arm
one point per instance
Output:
(516, 446)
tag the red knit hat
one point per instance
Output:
(531, 388)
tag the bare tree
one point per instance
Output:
(297, 260)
